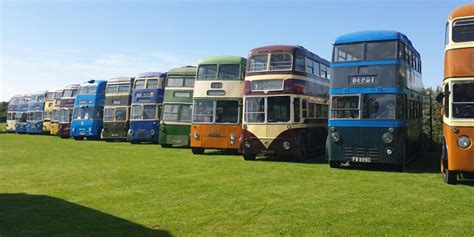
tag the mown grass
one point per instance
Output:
(51, 186)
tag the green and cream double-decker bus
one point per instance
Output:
(177, 107)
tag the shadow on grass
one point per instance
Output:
(316, 159)
(38, 215)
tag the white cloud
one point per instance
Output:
(35, 70)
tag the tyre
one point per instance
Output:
(334, 164)
(249, 156)
(166, 145)
(78, 138)
(401, 166)
(197, 151)
(449, 177)
(303, 156)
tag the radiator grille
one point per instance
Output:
(372, 153)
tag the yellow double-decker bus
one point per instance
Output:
(217, 104)
(457, 159)
(54, 124)
(48, 111)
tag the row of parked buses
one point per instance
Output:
(364, 107)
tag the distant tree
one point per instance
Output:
(437, 120)
(3, 111)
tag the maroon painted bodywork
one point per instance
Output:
(64, 130)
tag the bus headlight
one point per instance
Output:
(387, 138)
(196, 135)
(464, 142)
(335, 136)
(232, 137)
(286, 145)
(247, 144)
(130, 131)
(389, 151)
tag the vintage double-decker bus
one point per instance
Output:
(375, 100)
(66, 106)
(118, 98)
(11, 112)
(147, 96)
(87, 118)
(285, 102)
(177, 107)
(34, 121)
(457, 159)
(54, 127)
(48, 112)
(217, 104)
(22, 114)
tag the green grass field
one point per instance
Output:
(51, 186)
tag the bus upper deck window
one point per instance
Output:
(152, 84)
(258, 63)
(207, 72)
(463, 30)
(381, 50)
(349, 52)
(124, 88)
(230, 71)
(140, 84)
(281, 61)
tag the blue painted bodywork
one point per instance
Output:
(375, 35)
(94, 102)
(20, 126)
(146, 130)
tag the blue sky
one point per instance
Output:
(48, 44)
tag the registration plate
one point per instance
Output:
(361, 159)
(267, 152)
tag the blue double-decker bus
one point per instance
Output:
(34, 121)
(375, 100)
(147, 97)
(87, 120)
(22, 114)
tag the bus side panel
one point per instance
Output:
(175, 134)
(459, 159)
(459, 63)
(216, 136)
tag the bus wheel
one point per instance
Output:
(449, 177)
(334, 164)
(249, 156)
(303, 156)
(197, 151)
(165, 145)
(78, 138)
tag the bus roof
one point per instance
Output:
(93, 82)
(183, 70)
(120, 80)
(467, 10)
(375, 35)
(288, 48)
(72, 86)
(223, 59)
(150, 74)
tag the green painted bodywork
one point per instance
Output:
(177, 135)
(223, 59)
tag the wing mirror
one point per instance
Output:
(439, 97)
